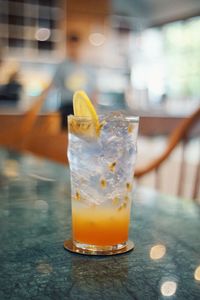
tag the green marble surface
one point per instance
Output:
(35, 220)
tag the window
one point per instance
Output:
(167, 64)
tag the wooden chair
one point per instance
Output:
(29, 132)
(187, 130)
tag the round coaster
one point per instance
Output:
(68, 245)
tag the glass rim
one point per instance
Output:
(130, 118)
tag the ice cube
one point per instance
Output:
(116, 115)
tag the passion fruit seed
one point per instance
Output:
(100, 126)
(103, 183)
(122, 206)
(130, 128)
(129, 186)
(77, 196)
(112, 166)
(115, 201)
(126, 199)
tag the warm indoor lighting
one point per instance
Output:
(197, 273)
(97, 39)
(168, 288)
(157, 251)
(42, 34)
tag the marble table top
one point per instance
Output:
(35, 220)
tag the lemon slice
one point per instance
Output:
(83, 107)
(88, 124)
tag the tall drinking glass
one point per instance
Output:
(102, 171)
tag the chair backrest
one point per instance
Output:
(15, 128)
(40, 135)
(188, 129)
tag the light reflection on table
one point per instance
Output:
(157, 251)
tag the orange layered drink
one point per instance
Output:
(101, 153)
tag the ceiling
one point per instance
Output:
(156, 12)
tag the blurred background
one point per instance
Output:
(145, 55)
(150, 48)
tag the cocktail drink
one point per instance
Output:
(102, 160)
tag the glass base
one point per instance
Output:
(98, 250)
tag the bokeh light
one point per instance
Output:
(97, 39)
(197, 273)
(168, 288)
(42, 34)
(157, 251)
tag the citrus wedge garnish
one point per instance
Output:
(83, 107)
(88, 122)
